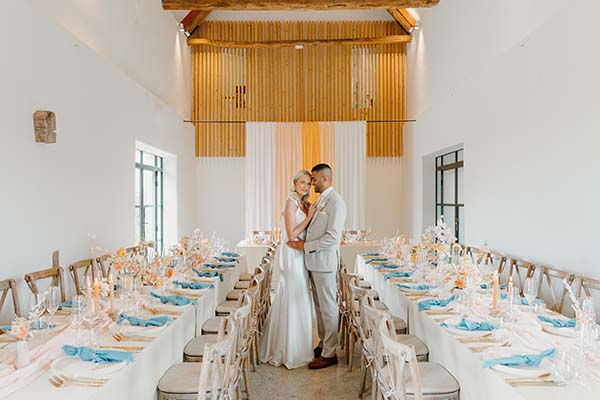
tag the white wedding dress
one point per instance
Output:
(287, 334)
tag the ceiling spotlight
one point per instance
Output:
(181, 27)
(299, 46)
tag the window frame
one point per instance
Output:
(440, 168)
(158, 194)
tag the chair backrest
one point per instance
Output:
(551, 288)
(105, 264)
(242, 315)
(370, 320)
(82, 269)
(133, 250)
(56, 273)
(219, 372)
(520, 270)
(9, 285)
(487, 257)
(398, 357)
(591, 288)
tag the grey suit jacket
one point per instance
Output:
(324, 234)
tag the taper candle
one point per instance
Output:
(495, 292)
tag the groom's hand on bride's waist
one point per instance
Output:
(296, 244)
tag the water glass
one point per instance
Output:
(53, 301)
(564, 366)
(530, 291)
(37, 306)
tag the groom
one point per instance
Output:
(321, 249)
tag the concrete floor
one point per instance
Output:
(274, 383)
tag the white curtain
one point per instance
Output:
(349, 171)
(273, 156)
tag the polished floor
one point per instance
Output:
(335, 382)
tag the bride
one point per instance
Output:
(287, 335)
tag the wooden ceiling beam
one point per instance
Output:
(392, 39)
(207, 5)
(404, 18)
(193, 19)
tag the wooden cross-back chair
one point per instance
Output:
(9, 285)
(520, 270)
(551, 288)
(87, 268)
(591, 288)
(496, 259)
(133, 250)
(56, 273)
(105, 264)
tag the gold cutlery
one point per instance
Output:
(480, 349)
(439, 312)
(484, 338)
(135, 349)
(120, 337)
(157, 311)
(60, 381)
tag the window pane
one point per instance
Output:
(149, 159)
(438, 210)
(449, 217)
(438, 186)
(159, 188)
(148, 188)
(138, 156)
(137, 187)
(461, 224)
(460, 186)
(448, 159)
(449, 186)
(149, 223)
(461, 155)
(159, 229)
(137, 224)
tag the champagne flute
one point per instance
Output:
(37, 307)
(53, 302)
(530, 292)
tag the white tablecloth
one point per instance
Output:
(475, 382)
(139, 379)
(254, 254)
(349, 251)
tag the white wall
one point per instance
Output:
(517, 83)
(54, 195)
(221, 197)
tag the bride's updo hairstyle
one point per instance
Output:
(303, 199)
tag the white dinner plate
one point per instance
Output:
(553, 330)
(521, 371)
(413, 291)
(462, 332)
(74, 367)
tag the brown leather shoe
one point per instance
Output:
(323, 362)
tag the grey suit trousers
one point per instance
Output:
(323, 287)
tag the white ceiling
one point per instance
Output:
(338, 15)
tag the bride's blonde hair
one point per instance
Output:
(303, 199)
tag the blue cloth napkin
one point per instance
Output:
(386, 266)
(40, 325)
(98, 356)
(194, 285)
(524, 302)
(414, 287)
(227, 259)
(67, 304)
(155, 321)
(371, 254)
(372, 260)
(177, 300)
(503, 286)
(6, 328)
(397, 274)
(468, 325)
(218, 266)
(530, 360)
(230, 254)
(427, 304)
(206, 274)
(559, 323)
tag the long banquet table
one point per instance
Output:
(138, 379)
(444, 348)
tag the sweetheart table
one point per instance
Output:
(463, 362)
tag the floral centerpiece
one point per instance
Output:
(20, 329)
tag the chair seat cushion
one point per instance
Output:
(245, 277)
(234, 294)
(421, 349)
(211, 326)
(242, 285)
(435, 379)
(399, 324)
(195, 347)
(181, 378)
(364, 284)
(227, 307)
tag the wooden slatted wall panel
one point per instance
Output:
(330, 83)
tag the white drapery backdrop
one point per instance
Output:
(274, 155)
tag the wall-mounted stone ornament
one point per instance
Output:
(44, 123)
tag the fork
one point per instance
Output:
(119, 337)
(60, 381)
(479, 349)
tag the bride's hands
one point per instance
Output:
(312, 210)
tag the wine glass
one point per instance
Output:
(530, 292)
(37, 306)
(53, 302)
